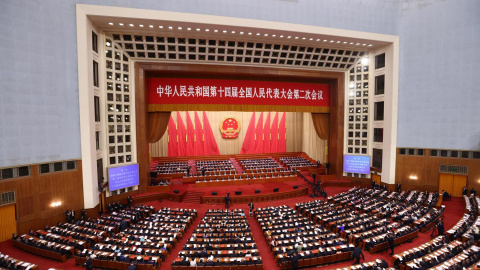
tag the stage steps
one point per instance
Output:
(237, 165)
(192, 197)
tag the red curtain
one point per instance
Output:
(190, 137)
(259, 134)
(172, 139)
(282, 138)
(274, 135)
(266, 135)
(198, 136)
(249, 141)
(181, 136)
(210, 145)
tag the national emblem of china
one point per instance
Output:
(229, 127)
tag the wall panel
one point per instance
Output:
(35, 193)
(426, 168)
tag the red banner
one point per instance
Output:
(206, 91)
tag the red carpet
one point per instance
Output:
(454, 211)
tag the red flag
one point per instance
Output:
(259, 134)
(274, 135)
(266, 135)
(210, 145)
(172, 139)
(249, 140)
(199, 136)
(190, 137)
(282, 137)
(181, 136)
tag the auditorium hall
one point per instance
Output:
(239, 135)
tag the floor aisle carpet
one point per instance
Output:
(454, 211)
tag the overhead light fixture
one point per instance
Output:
(216, 30)
(110, 23)
(352, 85)
(289, 37)
(141, 25)
(170, 27)
(189, 28)
(224, 31)
(281, 36)
(310, 39)
(233, 32)
(241, 33)
(180, 28)
(258, 34)
(274, 35)
(413, 177)
(207, 30)
(250, 33)
(296, 37)
(198, 29)
(364, 61)
(370, 45)
(266, 35)
(131, 25)
(325, 40)
(160, 26)
(121, 24)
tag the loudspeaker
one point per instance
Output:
(176, 191)
(238, 193)
(214, 193)
(257, 190)
(295, 187)
(275, 189)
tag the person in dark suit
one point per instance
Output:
(464, 191)
(473, 192)
(250, 208)
(295, 259)
(89, 264)
(227, 200)
(391, 241)
(132, 266)
(83, 214)
(441, 228)
(129, 201)
(357, 253)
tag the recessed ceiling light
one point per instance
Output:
(108, 43)
(241, 33)
(121, 24)
(110, 23)
(266, 35)
(325, 40)
(370, 45)
(274, 35)
(364, 61)
(364, 44)
(233, 32)
(189, 28)
(351, 43)
(207, 30)
(318, 39)
(141, 25)
(289, 37)
(250, 33)
(281, 36)
(357, 44)
(131, 25)
(345, 42)
(258, 34)
(170, 27)
(216, 30)
(224, 31)
(198, 29)
(331, 41)
(296, 37)
(311, 39)
(179, 28)
(160, 26)
(151, 26)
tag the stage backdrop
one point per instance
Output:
(301, 135)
